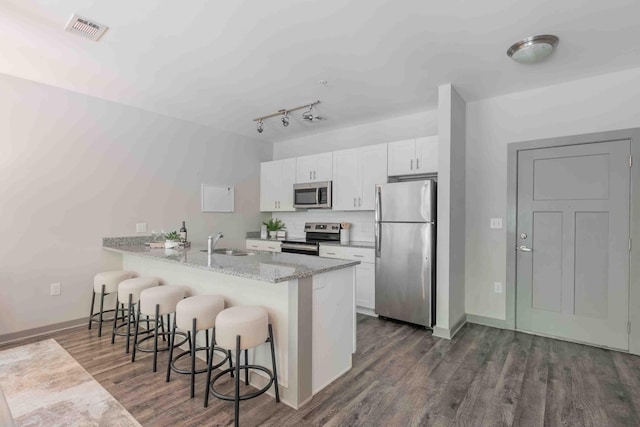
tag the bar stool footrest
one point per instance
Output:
(93, 318)
(164, 347)
(232, 398)
(198, 371)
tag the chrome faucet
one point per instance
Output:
(211, 244)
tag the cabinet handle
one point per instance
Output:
(411, 164)
(417, 163)
(314, 174)
(310, 174)
(359, 256)
(359, 201)
(354, 202)
(331, 253)
(275, 204)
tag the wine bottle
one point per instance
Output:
(183, 232)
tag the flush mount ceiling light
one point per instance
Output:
(533, 49)
(284, 112)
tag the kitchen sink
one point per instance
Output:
(230, 252)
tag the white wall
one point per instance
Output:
(74, 169)
(424, 123)
(601, 103)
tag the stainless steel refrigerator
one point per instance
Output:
(405, 251)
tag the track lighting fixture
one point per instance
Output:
(284, 113)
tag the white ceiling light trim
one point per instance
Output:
(533, 49)
(85, 27)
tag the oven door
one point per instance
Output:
(300, 248)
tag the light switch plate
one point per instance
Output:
(141, 227)
(54, 289)
(497, 287)
(496, 223)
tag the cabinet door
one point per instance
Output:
(373, 170)
(270, 177)
(285, 189)
(323, 170)
(304, 169)
(365, 285)
(345, 180)
(402, 157)
(427, 153)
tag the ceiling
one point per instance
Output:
(221, 64)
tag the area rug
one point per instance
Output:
(45, 386)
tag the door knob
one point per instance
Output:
(523, 248)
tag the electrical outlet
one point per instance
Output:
(55, 289)
(141, 227)
(496, 223)
(497, 287)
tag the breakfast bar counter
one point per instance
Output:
(310, 300)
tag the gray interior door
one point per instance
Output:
(572, 267)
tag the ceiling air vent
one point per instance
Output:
(85, 27)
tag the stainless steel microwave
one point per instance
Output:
(312, 195)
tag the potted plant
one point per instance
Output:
(273, 226)
(172, 239)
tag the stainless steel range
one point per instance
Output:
(315, 232)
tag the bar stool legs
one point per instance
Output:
(241, 328)
(193, 349)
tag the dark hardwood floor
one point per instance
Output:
(401, 376)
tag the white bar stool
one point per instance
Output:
(129, 290)
(105, 283)
(242, 327)
(193, 314)
(157, 302)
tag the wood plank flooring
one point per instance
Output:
(401, 376)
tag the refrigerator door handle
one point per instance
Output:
(378, 217)
(378, 239)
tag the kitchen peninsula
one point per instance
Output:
(310, 300)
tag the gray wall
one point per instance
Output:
(75, 168)
(450, 292)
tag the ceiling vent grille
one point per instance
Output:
(85, 27)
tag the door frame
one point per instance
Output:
(513, 149)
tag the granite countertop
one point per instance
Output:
(351, 244)
(272, 267)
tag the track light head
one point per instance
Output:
(285, 119)
(260, 126)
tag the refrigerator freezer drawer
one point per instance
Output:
(404, 272)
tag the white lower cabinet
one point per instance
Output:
(264, 245)
(365, 273)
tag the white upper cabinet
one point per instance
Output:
(413, 156)
(427, 154)
(318, 167)
(276, 185)
(345, 179)
(355, 173)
